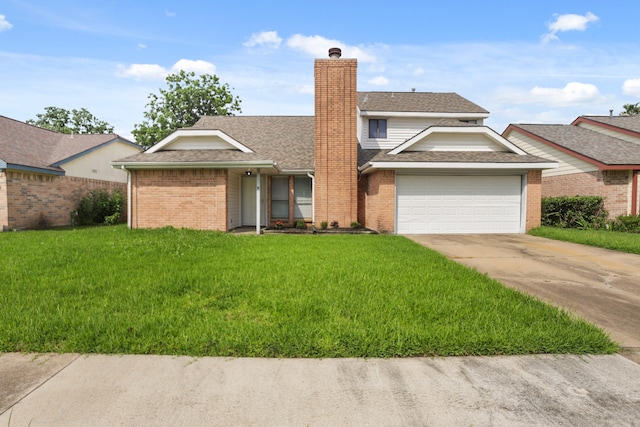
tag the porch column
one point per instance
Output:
(258, 219)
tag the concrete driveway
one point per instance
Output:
(599, 285)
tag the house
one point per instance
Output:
(597, 156)
(44, 174)
(394, 162)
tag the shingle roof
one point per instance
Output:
(594, 145)
(424, 102)
(365, 156)
(624, 122)
(33, 147)
(287, 140)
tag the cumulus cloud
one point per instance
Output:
(573, 93)
(568, 22)
(379, 81)
(269, 39)
(631, 87)
(319, 46)
(158, 72)
(4, 24)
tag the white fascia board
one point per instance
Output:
(194, 165)
(456, 165)
(424, 114)
(163, 144)
(483, 130)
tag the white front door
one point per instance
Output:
(248, 207)
(458, 204)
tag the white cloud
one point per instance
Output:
(269, 39)
(319, 46)
(198, 66)
(568, 22)
(142, 46)
(169, 14)
(631, 87)
(4, 24)
(158, 72)
(572, 94)
(379, 81)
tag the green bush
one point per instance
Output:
(324, 225)
(355, 224)
(626, 223)
(301, 224)
(583, 212)
(100, 207)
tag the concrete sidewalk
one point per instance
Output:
(99, 390)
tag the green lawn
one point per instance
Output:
(168, 291)
(615, 240)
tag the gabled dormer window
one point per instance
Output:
(377, 128)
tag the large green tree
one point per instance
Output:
(75, 121)
(631, 109)
(182, 103)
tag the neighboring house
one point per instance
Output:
(44, 174)
(597, 156)
(394, 162)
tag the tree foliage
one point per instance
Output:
(631, 109)
(75, 121)
(186, 99)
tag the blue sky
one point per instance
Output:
(525, 62)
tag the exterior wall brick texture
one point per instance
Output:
(534, 199)
(612, 185)
(181, 198)
(380, 201)
(31, 200)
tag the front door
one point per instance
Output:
(248, 206)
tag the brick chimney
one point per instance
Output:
(336, 144)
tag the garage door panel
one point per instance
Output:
(458, 204)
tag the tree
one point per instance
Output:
(75, 121)
(186, 99)
(631, 109)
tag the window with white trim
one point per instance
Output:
(377, 128)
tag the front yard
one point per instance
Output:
(614, 240)
(168, 291)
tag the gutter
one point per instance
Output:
(455, 165)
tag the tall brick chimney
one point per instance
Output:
(336, 144)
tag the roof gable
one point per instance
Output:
(199, 139)
(628, 124)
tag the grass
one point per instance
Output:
(615, 240)
(184, 292)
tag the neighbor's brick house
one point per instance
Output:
(402, 162)
(44, 174)
(597, 156)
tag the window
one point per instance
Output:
(280, 197)
(303, 197)
(377, 128)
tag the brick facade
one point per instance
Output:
(182, 198)
(614, 186)
(32, 200)
(380, 201)
(336, 144)
(534, 199)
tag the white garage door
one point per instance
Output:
(458, 204)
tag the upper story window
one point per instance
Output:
(377, 128)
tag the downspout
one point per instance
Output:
(313, 199)
(258, 219)
(129, 221)
(634, 193)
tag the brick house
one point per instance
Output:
(597, 156)
(395, 162)
(44, 174)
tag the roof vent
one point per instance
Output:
(335, 53)
(610, 113)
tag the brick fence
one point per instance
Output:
(31, 200)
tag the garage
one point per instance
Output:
(458, 204)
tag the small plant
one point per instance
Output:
(300, 224)
(334, 224)
(355, 224)
(324, 225)
(279, 225)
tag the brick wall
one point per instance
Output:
(182, 198)
(41, 201)
(612, 185)
(534, 199)
(336, 154)
(380, 201)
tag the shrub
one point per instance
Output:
(574, 212)
(626, 223)
(355, 224)
(301, 224)
(335, 224)
(100, 207)
(324, 225)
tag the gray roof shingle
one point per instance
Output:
(631, 123)
(594, 145)
(424, 102)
